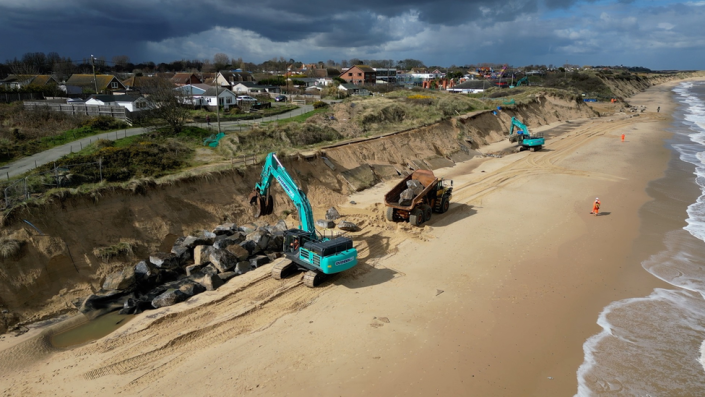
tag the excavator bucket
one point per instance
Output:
(261, 205)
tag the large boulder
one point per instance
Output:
(279, 227)
(242, 267)
(227, 276)
(332, 214)
(247, 228)
(164, 260)
(259, 260)
(348, 226)
(146, 275)
(182, 253)
(276, 243)
(324, 223)
(250, 246)
(210, 269)
(191, 269)
(260, 237)
(225, 229)
(234, 239)
(209, 281)
(129, 306)
(223, 260)
(192, 288)
(274, 255)
(102, 303)
(168, 298)
(203, 238)
(123, 279)
(240, 253)
(201, 254)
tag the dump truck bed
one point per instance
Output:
(391, 199)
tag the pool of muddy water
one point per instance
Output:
(90, 330)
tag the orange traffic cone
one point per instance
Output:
(622, 137)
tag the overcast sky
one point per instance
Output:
(657, 34)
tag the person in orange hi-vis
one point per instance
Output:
(596, 206)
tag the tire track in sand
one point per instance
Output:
(545, 162)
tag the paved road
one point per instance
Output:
(29, 163)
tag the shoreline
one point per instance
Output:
(520, 286)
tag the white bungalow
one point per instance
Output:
(129, 102)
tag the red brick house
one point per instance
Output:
(359, 75)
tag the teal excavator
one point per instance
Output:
(304, 248)
(524, 79)
(524, 137)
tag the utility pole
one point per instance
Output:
(217, 101)
(95, 83)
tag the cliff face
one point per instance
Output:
(55, 268)
(626, 87)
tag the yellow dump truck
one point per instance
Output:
(416, 197)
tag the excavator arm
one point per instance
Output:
(519, 125)
(262, 202)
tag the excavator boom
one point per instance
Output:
(262, 201)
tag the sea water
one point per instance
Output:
(655, 345)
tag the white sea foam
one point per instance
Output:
(656, 345)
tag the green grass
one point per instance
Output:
(300, 118)
(199, 115)
(34, 146)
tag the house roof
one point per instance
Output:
(43, 79)
(183, 78)
(193, 89)
(248, 84)
(237, 76)
(348, 86)
(365, 68)
(135, 81)
(211, 91)
(202, 86)
(115, 98)
(86, 80)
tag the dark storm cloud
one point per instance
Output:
(79, 26)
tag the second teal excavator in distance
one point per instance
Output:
(304, 248)
(523, 136)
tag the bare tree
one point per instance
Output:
(220, 61)
(166, 104)
(207, 67)
(121, 60)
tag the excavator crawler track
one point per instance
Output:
(312, 279)
(283, 268)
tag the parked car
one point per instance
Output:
(246, 98)
(280, 98)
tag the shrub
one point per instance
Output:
(9, 247)
(139, 159)
(103, 143)
(452, 106)
(320, 104)
(114, 251)
(309, 134)
(103, 123)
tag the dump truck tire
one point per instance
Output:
(389, 214)
(445, 205)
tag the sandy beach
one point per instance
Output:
(494, 298)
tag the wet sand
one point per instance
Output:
(496, 297)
